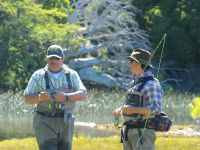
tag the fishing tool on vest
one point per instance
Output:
(53, 104)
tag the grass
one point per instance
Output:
(177, 143)
(106, 143)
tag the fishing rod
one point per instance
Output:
(163, 44)
(51, 95)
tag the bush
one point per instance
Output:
(195, 108)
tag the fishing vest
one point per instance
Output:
(44, 106)
(135, 98)
(46, 77)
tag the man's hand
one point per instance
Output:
(117, 112)
(60, 97)
(127, 109)
(44, 96)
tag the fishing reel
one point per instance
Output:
(54, 105)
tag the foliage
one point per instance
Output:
(180, 20)
(28, 27)
(26, 30)
(113, 31)
(195, 108)
(48, 4)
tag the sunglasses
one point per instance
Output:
(53, 58)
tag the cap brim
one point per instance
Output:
(49, 56)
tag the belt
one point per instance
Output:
(56, 113)
(140, 123)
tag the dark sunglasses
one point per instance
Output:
(53, 58)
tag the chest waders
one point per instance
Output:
(56, 109)
(135, 99)
(54, 105)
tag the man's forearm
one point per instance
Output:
(128, 109)
(77, 96)
(32, 99)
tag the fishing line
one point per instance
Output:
(161, 55)
(161, 41)
(38, 84)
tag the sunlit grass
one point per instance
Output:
(19, 144)
(177, 143)
(106, 143)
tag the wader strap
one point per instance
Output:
(122, 135)
(46, 77)
(143, 82)
(125, 135)
(68, 80)
(140, 135)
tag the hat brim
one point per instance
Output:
(49, 56)
(135, 59)
(132, 58)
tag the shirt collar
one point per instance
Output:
(145, 74)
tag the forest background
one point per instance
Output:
(28, 27)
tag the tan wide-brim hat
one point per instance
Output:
(142, 56)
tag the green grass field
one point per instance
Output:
(107, 143)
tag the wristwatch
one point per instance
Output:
(67, 98)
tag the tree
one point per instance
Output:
(195, 109)
(180, 20)
(111, 27)
(26, 30)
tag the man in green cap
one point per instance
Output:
(54, 90)
(144, 101)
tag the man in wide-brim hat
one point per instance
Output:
(144, 101)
